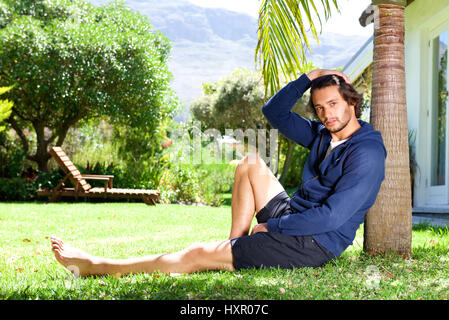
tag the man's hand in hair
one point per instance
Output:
(312, 75)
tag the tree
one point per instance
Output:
(388, 224)
(233, 102)
(281, 39)
(73, 61)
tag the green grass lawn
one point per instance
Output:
(119, 230)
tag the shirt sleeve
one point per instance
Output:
(356, 191)
(278, 112)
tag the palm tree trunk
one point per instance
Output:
(388, 224)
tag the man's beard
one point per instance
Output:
(338, 129)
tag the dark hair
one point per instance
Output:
(347, 91)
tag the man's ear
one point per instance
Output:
(352, 104)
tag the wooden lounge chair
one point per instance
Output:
(83, 189)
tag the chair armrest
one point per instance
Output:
(106, 178)
(96, 176)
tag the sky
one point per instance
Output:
(346, 23)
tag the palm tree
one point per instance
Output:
(281, 50)
(388, 224)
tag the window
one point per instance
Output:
(439, 98)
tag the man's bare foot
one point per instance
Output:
(77, 261)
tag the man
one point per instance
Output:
(341, 179)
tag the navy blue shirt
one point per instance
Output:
(337, 190)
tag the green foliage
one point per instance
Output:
(181, 183)
(74, 61)
(20, 188)
(201, 183)
(217, 178)
(10, 154)
(5, 107)
(90, 142)
(15, 189)
(412, 151)
(233, 102)
(135, 157)
(192, 156)
(142, 154)
(13, 163)
(293, 177)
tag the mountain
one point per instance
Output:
(209, 43)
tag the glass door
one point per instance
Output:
(437, 178)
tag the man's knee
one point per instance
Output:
(253, 165)
(195, 250)
(204, 256)
(194, 256)
(251, 161)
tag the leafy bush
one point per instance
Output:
(180, 183)
(24, 188)
(146, 175)
(217, 178)
(49, 180)
(15, 189)
(12, 163)
(135, 158)
(196, 183)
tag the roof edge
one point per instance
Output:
(360, 60)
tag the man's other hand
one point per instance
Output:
(261, 227)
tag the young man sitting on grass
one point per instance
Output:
(341, 179)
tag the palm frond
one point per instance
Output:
(282, 37)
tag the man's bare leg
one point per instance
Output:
(254, 186)
(198, 257)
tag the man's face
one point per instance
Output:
(333, 111)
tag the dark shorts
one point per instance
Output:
(273, 249)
